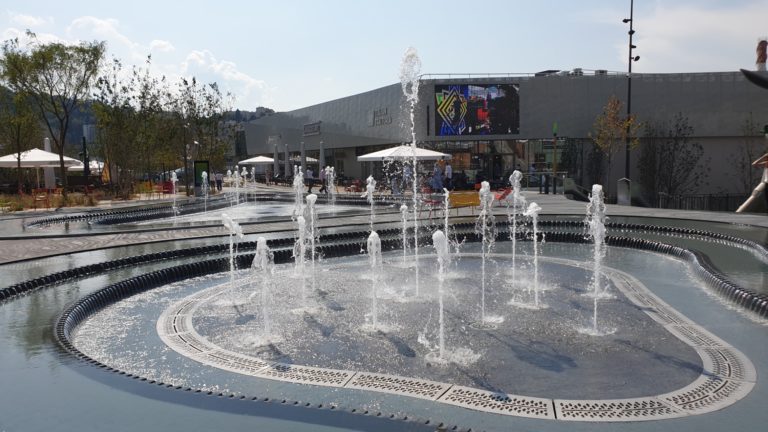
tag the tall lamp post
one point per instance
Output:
(629, 20)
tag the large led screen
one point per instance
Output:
(477, 109)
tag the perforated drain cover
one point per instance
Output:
(727, 375)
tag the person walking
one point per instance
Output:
(219, 180)
(323, 187)
(309, 179)
(448, 176)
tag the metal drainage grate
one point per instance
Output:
(728, 374)
(307, 375)
(398, 385)
(501, 403)
(614, 410)
(708, 394)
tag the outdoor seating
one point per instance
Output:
(40, 196)
(501, 195)
(464, 199)
(355, 186)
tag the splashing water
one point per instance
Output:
(299, 255)
(174, 180)
(595, 222)
(440, 243)
(205, 186)
(518, 207)
(485, 227)
(298, 191)
(263, 268)
(370, 188)
(374, 259)
(330, 179)
(234, 230)
(311, 200)
(410, 72)
(404, 219)
(533, 212)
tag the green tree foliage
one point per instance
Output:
(19, 126)
(669, 160)
(611, 130)
(55, 78)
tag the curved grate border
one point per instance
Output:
(727, 374)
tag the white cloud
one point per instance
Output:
(29, 21)
(161, 46)
(689, 38)
(249, 91)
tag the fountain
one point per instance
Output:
(298, 192)
(370, 188)
(330, 180)
(374, 260)
(485, 227)
(262, 271)
(518, 207)
(404, 229)
(311, 200)
(174, 180)
(236, 180)
(533, 212)
(440, 243)
(595, 223)
(205, 185)
(300, 254)
(410, 72)
(234, 230)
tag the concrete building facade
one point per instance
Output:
(495, 124)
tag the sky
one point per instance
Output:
(291, 54)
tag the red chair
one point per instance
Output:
(502, 194)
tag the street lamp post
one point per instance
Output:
(629, 20)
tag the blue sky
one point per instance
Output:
(293, 53)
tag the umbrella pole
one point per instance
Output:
(37, 175)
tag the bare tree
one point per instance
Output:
(741, 160)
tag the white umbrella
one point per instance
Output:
(257, 160)
(403, 153)
(35, 158)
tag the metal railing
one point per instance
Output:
(711, 202)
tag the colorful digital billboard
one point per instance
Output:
(477, 109)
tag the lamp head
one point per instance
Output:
(626, 20)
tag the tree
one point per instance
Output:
(741, 160)
(18, 126)
(669, 161)
(55, 77)
(611, 131)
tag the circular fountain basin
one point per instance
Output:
(544, 362)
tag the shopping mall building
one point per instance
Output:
(494, 124)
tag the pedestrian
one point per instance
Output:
(448, 176)
(309, 179)
(219, 180)
(437, 179)
(407, 177)
(323, 187)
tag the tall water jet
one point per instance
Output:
(311, 200)
(533, 212)
(410, 72)
(596, 225)
(374, 259)
(244, 176)
(204, 187)
(234, 230)
(518, 207)
(370, 188)
(404, 229)
(299, 255)
(236, 175)
(485, 227)
(298, 191)
(446, 208)
(174, 180)
(330, 180)
(440, 243)
(263, 268)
